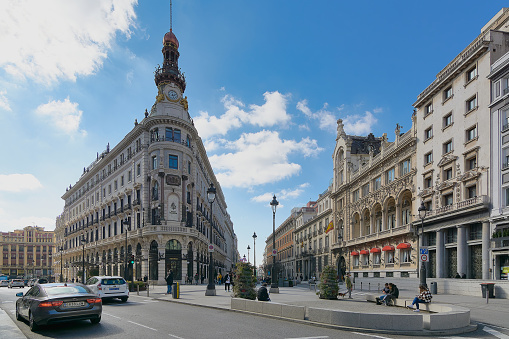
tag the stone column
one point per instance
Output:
(385, 215)
(462, 257)
(161, 268)
(486, 250)
(440, 256)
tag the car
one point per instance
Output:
(16, 283)
(109, 287)
(40, 281)
(31, 282)
(4, 283)
(58, 302)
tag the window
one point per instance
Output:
(376, 258)
(169, 134)
(428, 158)
(447, 147)
(428, 182)
(506, 194)
(390, 175)
(471, 133)
(355, 195)
(122, 181)
(471, 163)
(448, 93)
(428, 133)
(378, 183)
(471, 104)
(389, 257)
(471, 74)
(365, 190)
(448, 200)
(154, 135)
(154, 162)
(496, 89)
(405, 255)
(405, 167)
(448, 120)
(129, 176)
(115, 185)
(505, 120)
(109, 189)
(448, 173)
(189, 167)
(428, 109)
(138, 169)
(176, 135)
(471, 192)
(173, 161)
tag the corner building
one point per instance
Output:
(144, 202)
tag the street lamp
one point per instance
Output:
(83, 241)
(127, 225)
(274, 286)
(422, 215)
(254, 252)
(211, 288)
(248, 248)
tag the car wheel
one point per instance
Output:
(95, 320)
(18, 316)
(124, 299)
(32, 323)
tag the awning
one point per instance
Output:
(354, 253)
(364, 252)
(388, 248)
(403, 245)
(375, 250)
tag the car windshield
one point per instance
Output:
(57, 290)
(43, 281)
(113, 281)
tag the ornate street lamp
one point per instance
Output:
(254, 252)
(83, 241)
(61, 250)
(274, 286)
(248, 248)
(211, 288)
(127, 225)
(422, 215)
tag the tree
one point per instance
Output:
(244, 282)
(328, 287)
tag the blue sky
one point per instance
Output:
(266, 82)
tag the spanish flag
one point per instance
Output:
(330, 227)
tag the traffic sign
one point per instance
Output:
(424, 258)
(423, 251)
(274, 252)
(211, 248)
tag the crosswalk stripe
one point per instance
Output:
(495, 333)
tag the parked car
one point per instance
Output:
(41, 281)
(4, 283)
(108, 287)
(58, 302)
(16, 283)
(31, 282)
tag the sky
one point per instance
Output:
(266, 82)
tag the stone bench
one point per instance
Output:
(269, 308)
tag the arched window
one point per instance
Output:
(155, 191)
(173, 245)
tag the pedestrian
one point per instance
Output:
(169, 281)
(202, 278)
(385, 291)
(349, 285)
(263, 294)
(392, 295)
(423, 297)
(227, 282)
(145, 278)
(196, 278)
(219, 278)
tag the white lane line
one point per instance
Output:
(174, 336)
(150, 328)
(495, 326)
(322, 337)
(495, 333)
(111, 315)
(370, 335)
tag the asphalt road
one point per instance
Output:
(143, 317)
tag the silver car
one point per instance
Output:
(16, 283)
(58, 302)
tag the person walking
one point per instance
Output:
(196, 278)
(349, 285)
(227, 282)
(424, 297)
(169, 281)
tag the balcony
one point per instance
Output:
(480, 202)
(499, 243)
(381, 235)
(136, 202)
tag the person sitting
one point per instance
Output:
(263, 294)
(392, 295)
(424, 297)
(457, 276)
(385, 291)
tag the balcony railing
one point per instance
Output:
(500, 242)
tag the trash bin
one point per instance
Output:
(434, 287)
(175, 292)
(491, 290)
(290, 283)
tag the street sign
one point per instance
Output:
(424, 258)
(274, 252)
(211, 248)
(423, 251)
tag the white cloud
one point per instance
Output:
(4, 102)
(64, 115)
(359, 125)
(60, 39)
(271, 113)
(281, 195)
(18, 182)
(260, 158)
(326, 119)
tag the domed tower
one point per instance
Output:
(169, 72)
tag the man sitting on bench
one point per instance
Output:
(392, 295)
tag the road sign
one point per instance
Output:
(423, 251)
(211, 248)
(424, 258)
(274, 252)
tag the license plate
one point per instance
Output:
(74, 304)
(114, 288)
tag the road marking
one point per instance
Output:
(322, 337)
(491, 325)
(174, 336)
(370, 335)
(495, 333)
(8, 301)
(150, 328)
(111, 315)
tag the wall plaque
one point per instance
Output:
(173, 180)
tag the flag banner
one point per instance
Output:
(330, 227)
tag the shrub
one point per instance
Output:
(328, 287)
(133, 286)
(244, 282)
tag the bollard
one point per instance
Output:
(379, 286)
(361, 285)
(148, 288)
(369, 286)
(487, 296)
(138, 289)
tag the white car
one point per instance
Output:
(108, 287)
(4, 283)
(16, 283)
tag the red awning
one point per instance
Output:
(403, 245)
(364, 252)
(354, 253)
(375, 250)
(388, 248)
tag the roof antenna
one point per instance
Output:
(171, 23)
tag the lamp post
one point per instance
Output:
(254, 252)
(211, 288)
(127, 225)
(83, 241)
(274, 286)
(422, 215)
(248, 248)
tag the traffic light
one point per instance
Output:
(132, 259)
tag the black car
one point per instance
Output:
(58, 302)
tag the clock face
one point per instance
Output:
(173, 95)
